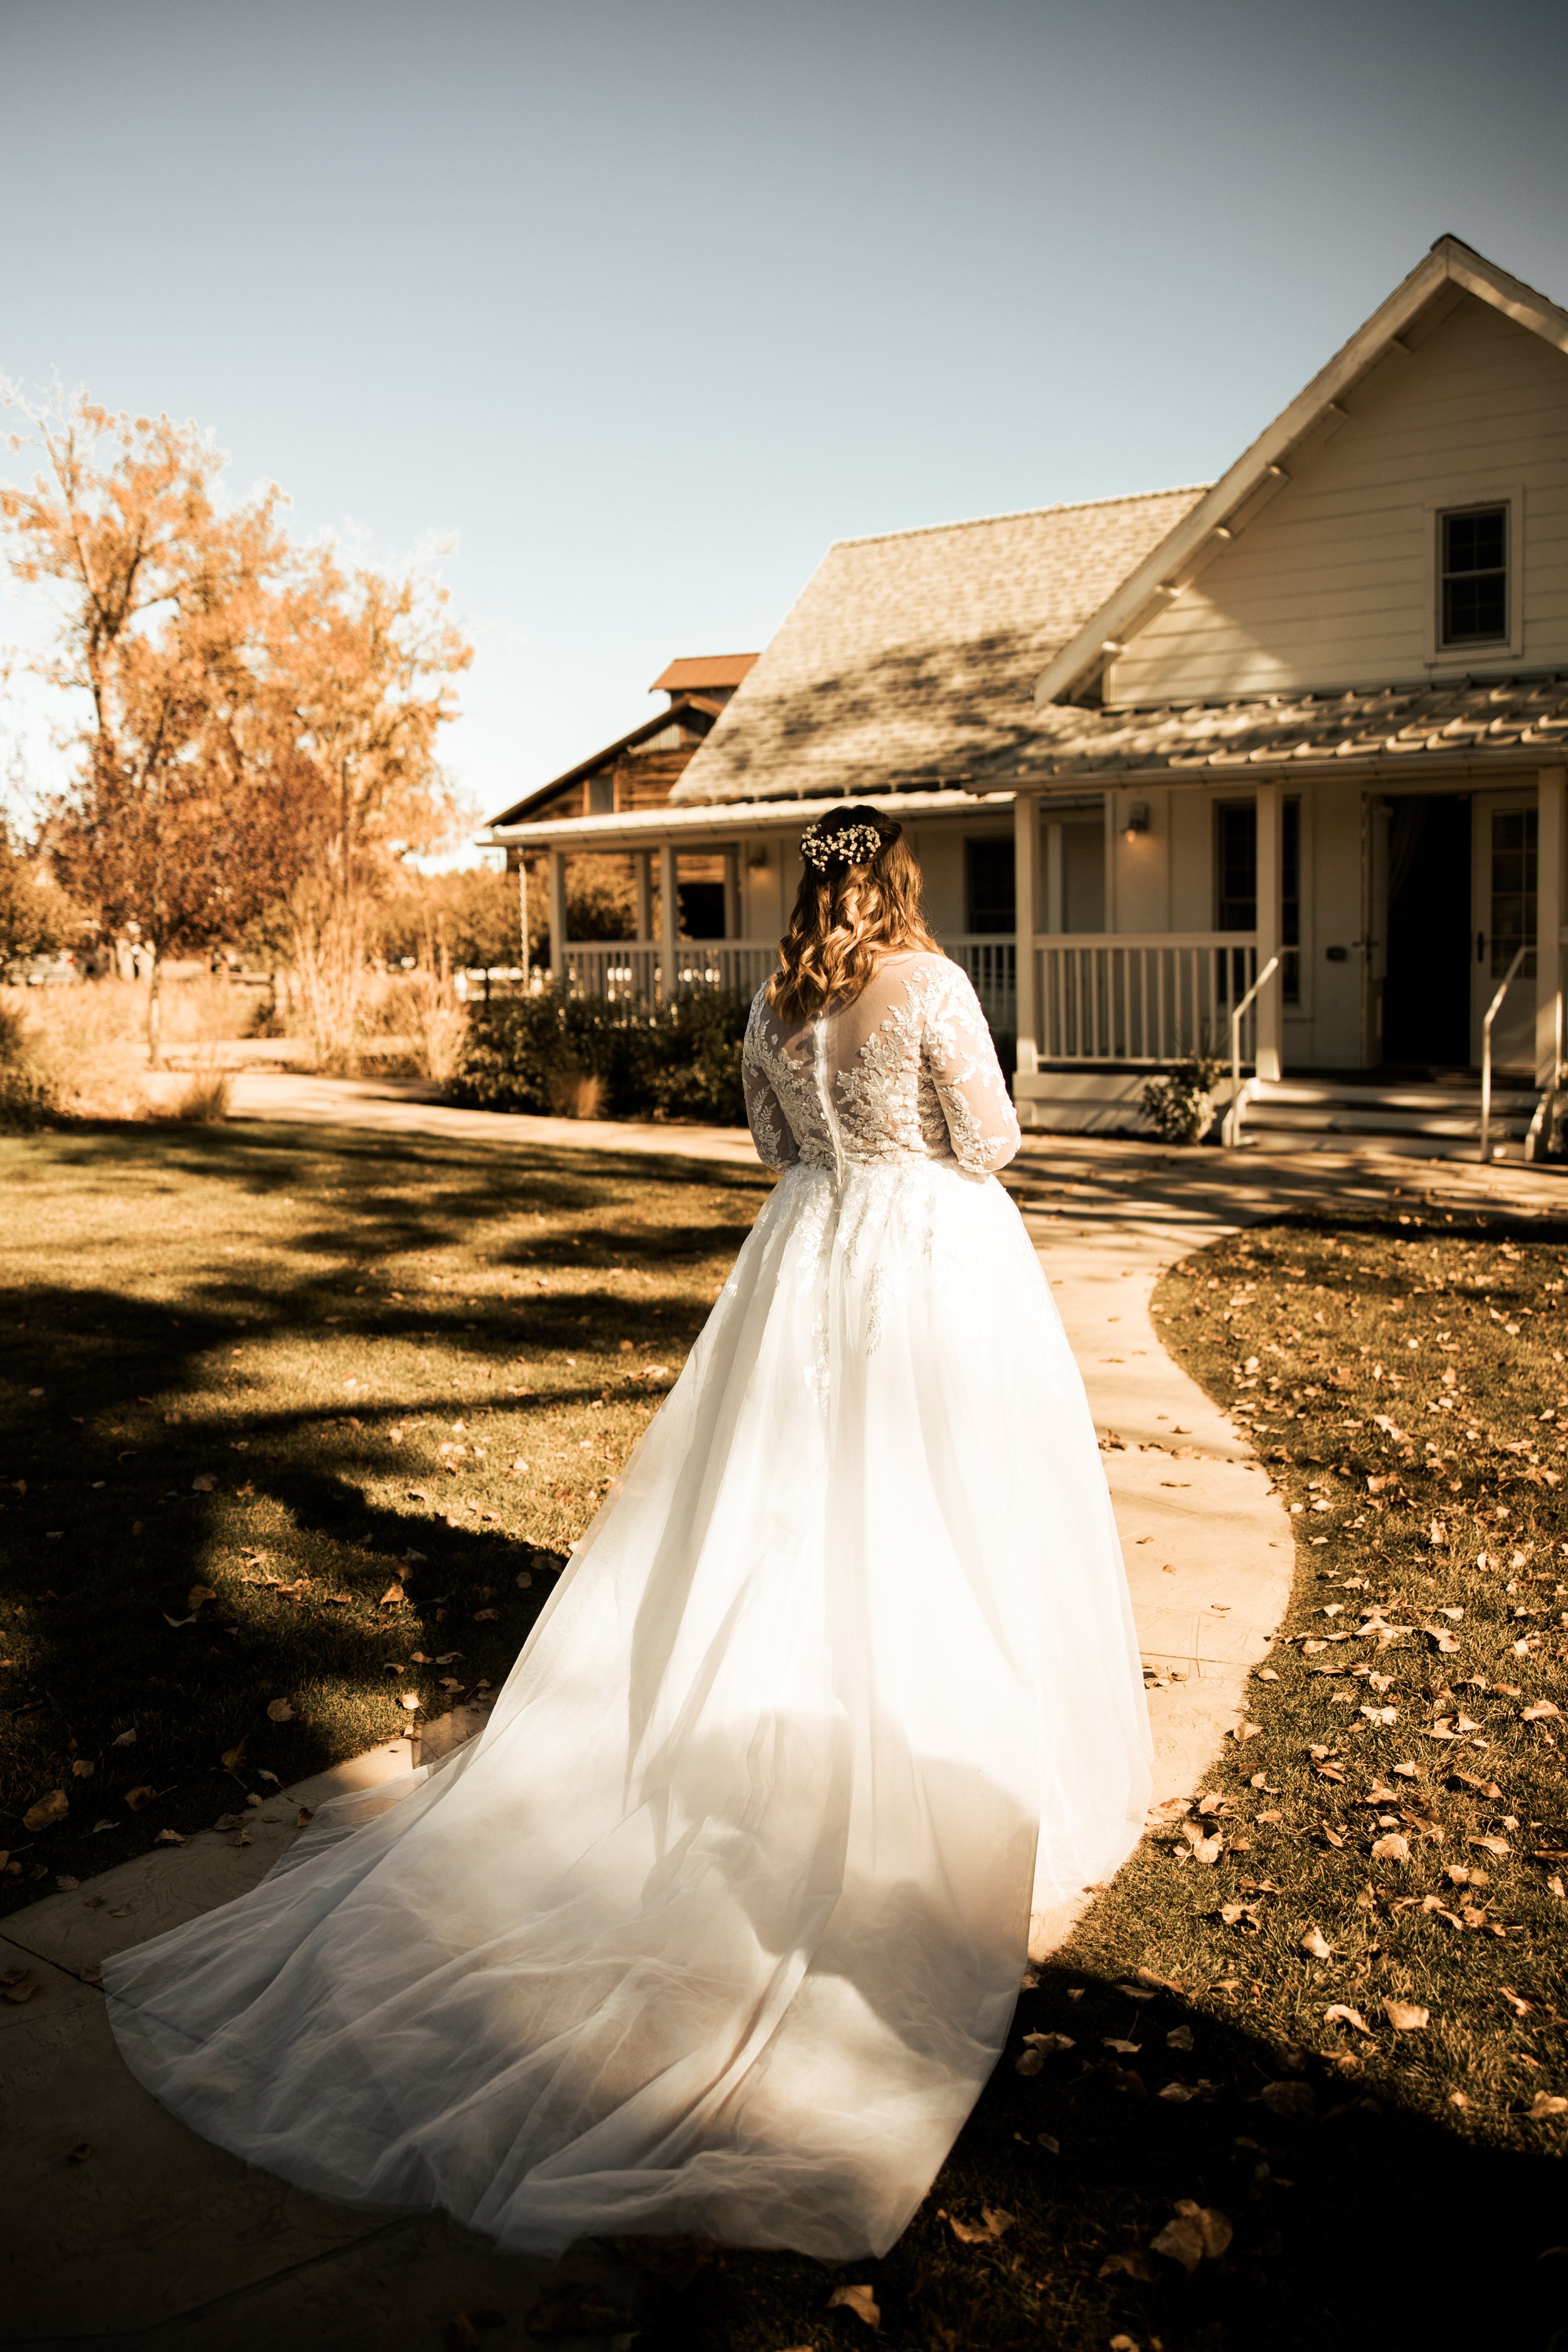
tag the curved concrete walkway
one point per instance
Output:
(156, 2237)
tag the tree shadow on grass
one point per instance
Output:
(107, 1542)
(1355, 2222)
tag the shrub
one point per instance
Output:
(540, 1053)
(1179, 1103)
(28, 1091)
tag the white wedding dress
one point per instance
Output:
(718, 1925)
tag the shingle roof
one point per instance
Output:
(908, 657)
(1465, 719)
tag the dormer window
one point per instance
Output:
(1473, 584)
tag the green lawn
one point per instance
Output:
(300, 1425)
(195, 1306)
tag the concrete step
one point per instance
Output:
(1263, 1135)
(1455, 1123)
(1326, 1094)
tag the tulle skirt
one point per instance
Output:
(718, 1925)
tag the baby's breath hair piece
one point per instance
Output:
(848, 844)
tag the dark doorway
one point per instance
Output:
(1426, 992)
(701, 908)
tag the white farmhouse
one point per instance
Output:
(1297, 737)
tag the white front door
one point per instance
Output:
(1504, 875)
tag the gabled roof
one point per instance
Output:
(1165, 567)
(627, 742)
(1521, 720)
(907, 656)
(695, 673)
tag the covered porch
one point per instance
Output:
(1388, 927)
(705, 893)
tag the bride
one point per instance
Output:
(716, 1927)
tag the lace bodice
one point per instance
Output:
(906, 1069)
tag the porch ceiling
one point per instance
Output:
(1466, 724)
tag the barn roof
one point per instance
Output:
(908, 657)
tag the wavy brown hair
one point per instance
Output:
(854, 906)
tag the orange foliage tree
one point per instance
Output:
(257, 724)
(167, 832)
(360, 670)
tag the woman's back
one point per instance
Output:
(905, 1069)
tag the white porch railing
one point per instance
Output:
(1115, 998)
(991, 959)
(620, 971)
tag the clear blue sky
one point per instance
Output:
(644, 302)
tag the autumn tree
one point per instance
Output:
(37, 918)
(171, 829)
(361, 671)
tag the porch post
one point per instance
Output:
(669, 922)
(558, 915)
(1270, 922)
(1026, 921)
(732, 926)
(522, 913)
(1550, 790)
(642, 871)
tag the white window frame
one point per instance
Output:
(1460, 500)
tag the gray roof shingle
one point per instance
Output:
(912, 658)
(1468, 717)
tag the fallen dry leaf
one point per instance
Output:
(136, 1797)
(47, 1812)
(1135, 2261)
(1392, 1848)
(1197, 2231)
(198, 1595)
(859, 2300)
(280, 1711)
(1315, 1943)
(18, 1984)
(993, 2225)
(391, 1596)
(1051, 2044)
(1180, 2037)
(169, 1837)
(1546, 2103)
(1405, 2017)
(1540, 1712)
(1297, 2100)
(1339, 2012)
(83, 1768)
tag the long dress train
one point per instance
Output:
(718, 1925)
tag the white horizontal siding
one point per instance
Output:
(1331, 584)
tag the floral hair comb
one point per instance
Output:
(846, 845)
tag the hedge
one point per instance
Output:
(535, 1053)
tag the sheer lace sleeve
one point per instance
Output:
(771, 1130)
(961, 1061)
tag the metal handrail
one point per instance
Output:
(1490, 1015)
(1230, 1133)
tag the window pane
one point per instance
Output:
(1475, 542)
(1236, 866)
(1474, 577)
(989, 893)
(1514, 889)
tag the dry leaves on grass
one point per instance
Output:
(993, 2225)
(1315, 1942)
(280, 1711)
(1406, 2016)
(860, 2300)
(1195, 2234)
(47, 1812)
